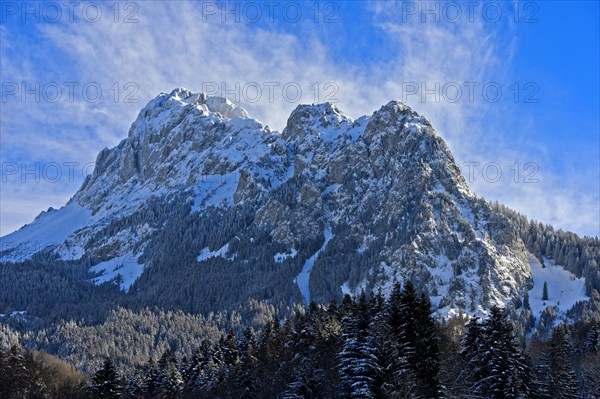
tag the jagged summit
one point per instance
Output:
(160, 111)
(214, 104)
(199, 192)
(315, 119)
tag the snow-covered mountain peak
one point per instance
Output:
(168, 109)
(331, 205)
(398, 118)
(316, 123)
(176, 140)
(214, 104)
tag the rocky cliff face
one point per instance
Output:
(200, 193)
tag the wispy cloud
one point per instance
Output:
(172, 46)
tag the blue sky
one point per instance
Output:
(360, 54)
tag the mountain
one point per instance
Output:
(202, 207)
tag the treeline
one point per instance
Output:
(49, 290)
(369, 347)
(130, 338)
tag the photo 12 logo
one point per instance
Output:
(454, 92)
(291, 92)
(469, 11)
(69, 11)
(269, 11)
(54, 92)
(50, 172)
(492, 172)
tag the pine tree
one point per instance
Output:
(198, 370)
(418, 345)
(150, 382)
(542, 387)
(554, 376)
(526, 304)
(170, 379)
(17, 369)
(501, 370)
(172, 383)
(229, 347)
(356, 360)
(216, 369)
(501, 348)
(193, 369)
(545, 292)
(106, 381)
(523, 374)
(427, 365)
(397, 362)
(306, 383)
(592, 340)
(471, 352)
(247, 365)
(207, 367)
(379, 333)
(134, 385)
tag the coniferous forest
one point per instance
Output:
(368, 347)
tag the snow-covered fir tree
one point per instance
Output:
(106, 382)
(357, 360)
(554, 375)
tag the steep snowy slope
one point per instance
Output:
(180, 143)
(564, 288)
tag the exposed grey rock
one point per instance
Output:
(380, 199)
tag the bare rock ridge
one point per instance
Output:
(199, 191)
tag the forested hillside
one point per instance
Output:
(370, 347)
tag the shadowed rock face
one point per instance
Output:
(379, 198)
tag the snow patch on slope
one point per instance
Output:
(564, 288)
(205, 253)
(124, 269)
(282, 256)
(303, 278)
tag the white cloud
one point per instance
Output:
(172, 47)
